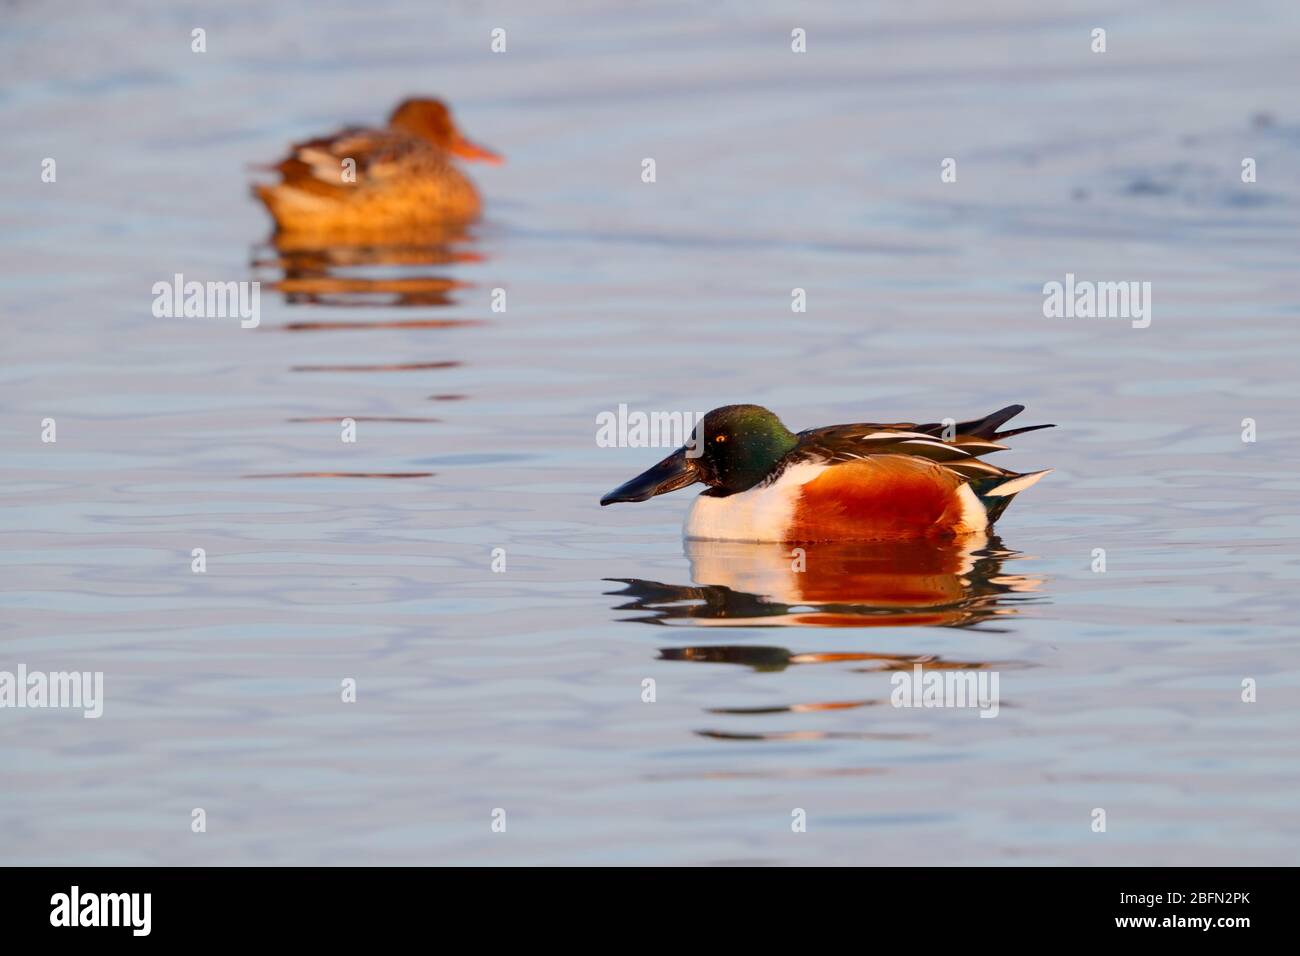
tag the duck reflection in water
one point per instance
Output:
(836, 584)
(407, 270)
(958, 583)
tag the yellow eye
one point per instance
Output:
(720, 438)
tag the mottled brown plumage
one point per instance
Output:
(399, 179)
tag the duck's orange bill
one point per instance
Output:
(469, 150)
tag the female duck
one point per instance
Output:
(370, 182)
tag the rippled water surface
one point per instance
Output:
(522, 690)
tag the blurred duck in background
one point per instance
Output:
(377, 185)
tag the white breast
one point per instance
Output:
(762, 513)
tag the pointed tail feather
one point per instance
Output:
(996, 491)
(986, 427)
(1014, 484)
(1020, 431)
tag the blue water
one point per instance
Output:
(521, 689)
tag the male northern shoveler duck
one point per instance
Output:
(403, 177)
(840, 483)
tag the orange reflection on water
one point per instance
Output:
(347, 474)
(393, 367)
(334, 419)
(837, 584)
(363, 273)
(959, 583)
(380, 324)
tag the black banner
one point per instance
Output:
(334, 905)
